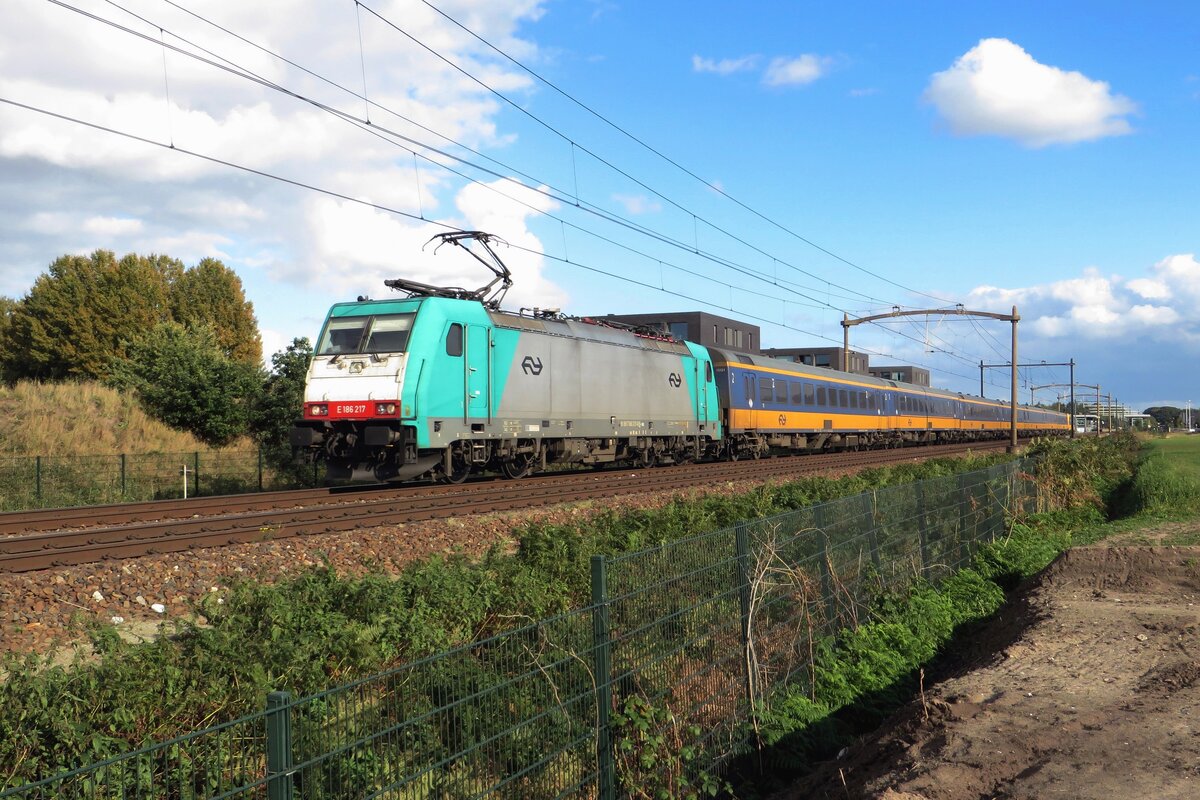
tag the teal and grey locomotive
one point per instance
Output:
(444, 383)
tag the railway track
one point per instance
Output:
(61, 537)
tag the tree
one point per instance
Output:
(211, 294)
(83, 313)
(279, 403)
(7, 305)
(1166, 416)
(183, 378)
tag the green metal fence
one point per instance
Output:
(28, 482)
(653, 686)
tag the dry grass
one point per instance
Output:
(85, 419)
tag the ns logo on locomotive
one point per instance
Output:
(444, 383)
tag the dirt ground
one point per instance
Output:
(1088, 686)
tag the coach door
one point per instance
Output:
(478, 364)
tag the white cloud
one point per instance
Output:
(1149, 288)
(796, 71)
(724, 66)
(638, 204)
(357, 247)
(1095, 306)
(998, 89)
(112, 226)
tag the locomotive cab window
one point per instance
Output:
(454, 340)
(708, 372)
(386, 333)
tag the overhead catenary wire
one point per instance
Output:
(708, 184)
(382, 132)
(381, 207)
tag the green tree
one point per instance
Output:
(83, 313)
(211, 294)
(282, 394)
(183, 378)
(7, 306)
(1167, 416)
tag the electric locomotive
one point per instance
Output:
(444, 383)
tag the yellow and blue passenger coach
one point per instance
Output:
(768, 403)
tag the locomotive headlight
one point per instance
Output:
(318, 410)
(384, 409)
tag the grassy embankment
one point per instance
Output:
(62, 445)
(83, 419)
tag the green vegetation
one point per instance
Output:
(321, 629)
(183, 341)
(1168, 481)
(86, 311)
(867, 672)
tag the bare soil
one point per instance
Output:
(1087, 686)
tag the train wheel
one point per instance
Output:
(459, 471)
(518, 467)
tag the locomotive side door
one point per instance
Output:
(478, 377)
(704, 379)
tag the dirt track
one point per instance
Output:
(1088, 686)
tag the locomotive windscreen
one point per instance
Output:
(383, 333)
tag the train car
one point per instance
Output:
(769, 403)
(440, 387)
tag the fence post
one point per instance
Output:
(964, 510)
(279, 746)
(821, 517)
(196, 471)
(873, 531)
(260, 468)
(37, 468)
(123, 482)
(742, 541)
(602, 668)
(922, 524)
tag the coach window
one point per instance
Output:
(454, 340)
(844, 401)
(781, 392)
(765, 390)
(797, 393)
(810, 396)
(820, 395)
(854, 399)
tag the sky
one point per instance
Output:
(783, 163)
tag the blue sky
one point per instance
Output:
(880, 154)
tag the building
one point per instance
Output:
(902, 373)
(830, 357)
(696, 326)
